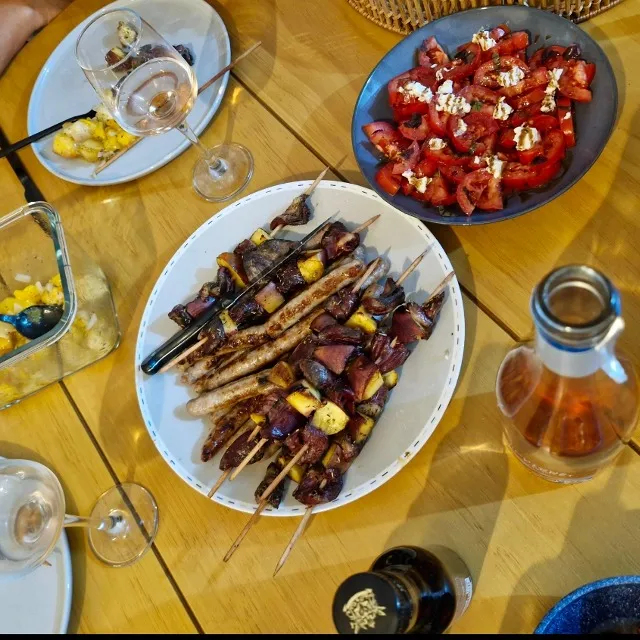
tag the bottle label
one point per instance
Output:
(460, 577)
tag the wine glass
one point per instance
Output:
(149, 88)
(122, 525)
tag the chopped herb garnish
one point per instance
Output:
(496, 60)
(472, 148)
(414, 122)
(476, 105)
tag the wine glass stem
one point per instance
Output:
(216, 166)
(90, 523)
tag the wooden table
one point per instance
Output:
(527, 542)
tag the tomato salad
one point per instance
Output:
(482, 125)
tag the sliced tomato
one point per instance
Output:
(491, 198)
(575, 80)
(404, 105)
(438, 192)
(590, 70)
(536, 78)
(406, 187)
(445, 156)
(506, 139)
(486, 144)
(407, 158)
(453, 173)
(522, 176)
(478, 125)
(509, 46)
(470, 55)
(550, 150)
(426, 167)
(527, 99)
(487, 73)
(437, 120)
(499, 32)
(565, 118)
(525, 115)
(388, 182)
(480, 98)
(415, 128)
(470, 190)
(385, 137)
(424, 75)
(546, 55)
(430, 52)
(544, 122)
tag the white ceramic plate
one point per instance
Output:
(61, 90)
(427, 380)
(38, 602)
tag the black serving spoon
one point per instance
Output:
(35, 321)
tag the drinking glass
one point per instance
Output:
(150, 89)
(121, 528)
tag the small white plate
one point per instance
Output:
(427, 380)
(40, 601)
(62, 91)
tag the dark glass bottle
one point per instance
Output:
(407, 590)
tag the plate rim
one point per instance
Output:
(464, 221)
(443, 401)
(167, 158)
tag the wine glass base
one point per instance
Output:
(217, 186)
(136, 512)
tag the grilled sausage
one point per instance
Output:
(230, 394)
(313, 296)
(260, 357)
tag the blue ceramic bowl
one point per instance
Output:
(593, 121)
(596, 607)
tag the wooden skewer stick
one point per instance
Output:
(276, 481)
(296, 536)
(366, 224)
(411, 268)
(247, 527)
(181, 356)
(442, 285)
(103, 165)
(370, 269)
(247, 459)
(227, 473)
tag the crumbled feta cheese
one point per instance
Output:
(419, 183)
(525, 137)
(22, 277)
(484, 39)
(445, 88)
(435, 144)
(39, 286)
(502, 110)
(461, 128)
(440, 73)
(454, 105)
(477, 160)
(553, 76)
(511, 77)
(416, 90)
(567, 115)
(548, 104)
(495, 166)
(433, 66)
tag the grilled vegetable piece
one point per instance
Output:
(296, 213)
(334, 356)
(259, 236)
(304, 402)
(311, 268)
(323, 321)
(264, 256)
(330, 418)
(362, 320)
(269, 298)
(359, 428)
(339, 334)
(375, 405)
(309, 493)
(364, 378)
(390, 379)
(282, 375)
(343, 396)
(282, 419)
(296, 473)
(289, 280)
(302, 352)
(387, 357)
(233, 263)
(238, 451)
(338, 241)
(317, 374)
(276, 497)
(316, 440)
(342, 305)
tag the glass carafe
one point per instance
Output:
(569, 398)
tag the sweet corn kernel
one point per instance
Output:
(55, 296)
(56, 281)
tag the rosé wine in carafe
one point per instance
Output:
(569, 399)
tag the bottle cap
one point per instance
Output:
(371, 602)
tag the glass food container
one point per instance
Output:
(570, 399)
(38, 267)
